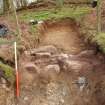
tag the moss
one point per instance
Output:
(55, 14)
(100, 39)
(9, 74)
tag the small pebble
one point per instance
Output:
(25, 98)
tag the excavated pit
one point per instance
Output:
(60, 71)
(56, 78)
(64, 34)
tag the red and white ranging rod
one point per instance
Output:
(17, 72)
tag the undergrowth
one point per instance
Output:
(100, 40)
(9, 74)
(76, 13)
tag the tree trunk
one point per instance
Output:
(5, 5)
(18, 3)
(99, 16)
(59, 3)
(23, 3)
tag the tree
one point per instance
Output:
(59, 3)
(5, 5)
(23, 3)
(99, 16)
(17, 3)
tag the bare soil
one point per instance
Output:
(57, 86)
(64, 34)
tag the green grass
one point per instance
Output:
(100, 39)
(5, 41)
(55, 14)
(9, 74)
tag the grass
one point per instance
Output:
(9, 74)
(5, 41)
(100, 39)
(55, 14)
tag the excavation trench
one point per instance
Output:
(63, 34)
(61, 71)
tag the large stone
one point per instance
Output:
(86, 53)
(50, 73)
(79, 65)
(31, 67)
(50, 49)
(75, 65)
(53, 68)
(43, 55)
(63, 56)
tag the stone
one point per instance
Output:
(62, 101)
(81, 82)
(3, 30)
(40, 22)
(41, 54)
(75, 65)
(4, 86)
(25, 98)
(31, 67)
(49, 49)
(33, 22)
(53, 68)
(86, 53)
(62, 57)
(3, 81)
